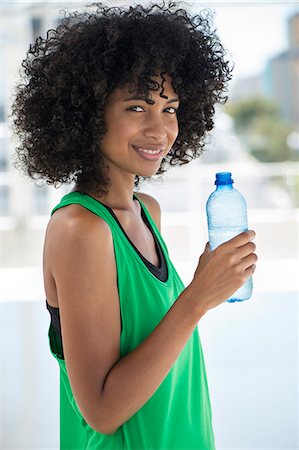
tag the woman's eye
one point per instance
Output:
(171, 110)
(174, 110)
(134, 108)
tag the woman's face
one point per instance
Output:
(140, 134)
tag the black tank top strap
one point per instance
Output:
(160, 272)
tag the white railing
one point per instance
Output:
(185, 231)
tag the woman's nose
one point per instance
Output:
(155, 128)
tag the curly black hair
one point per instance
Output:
(59, 110)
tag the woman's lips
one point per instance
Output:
(148, 156)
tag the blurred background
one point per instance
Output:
(251, 348)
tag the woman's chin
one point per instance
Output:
(147, 173)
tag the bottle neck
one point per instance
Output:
(224, 187)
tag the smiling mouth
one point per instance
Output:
(151, 155)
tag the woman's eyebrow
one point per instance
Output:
(149, 101)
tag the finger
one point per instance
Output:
(242, 239)
(248, 261)
(245, 250)
(250, 271)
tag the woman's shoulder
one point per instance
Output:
(152, 206)
(74, 223)
(74, 215)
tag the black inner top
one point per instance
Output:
(159, 272)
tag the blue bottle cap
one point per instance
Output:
(223, 178)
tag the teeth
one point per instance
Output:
(151, 152)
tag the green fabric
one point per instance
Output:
(178, 415)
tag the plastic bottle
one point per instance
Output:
(227, 217)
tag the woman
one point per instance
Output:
(116, 96)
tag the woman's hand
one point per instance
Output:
(224, 270)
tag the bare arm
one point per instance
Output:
(107, 389)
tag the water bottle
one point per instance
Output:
(227, 216)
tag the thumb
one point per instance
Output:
(207, 247)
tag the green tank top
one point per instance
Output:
(178, 415)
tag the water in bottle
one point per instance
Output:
(227, 216)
